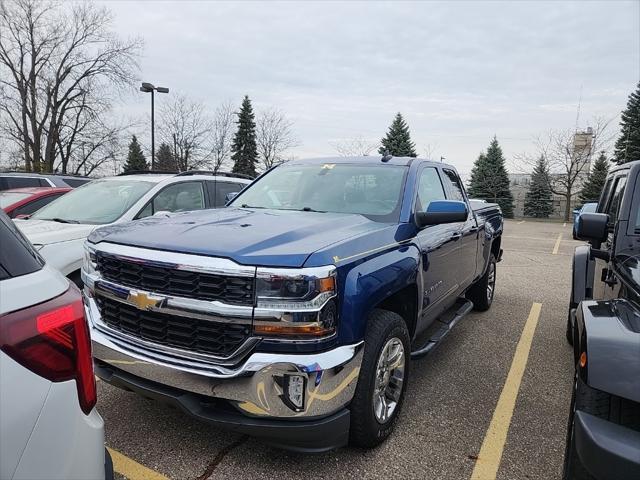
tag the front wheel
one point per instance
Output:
(382, 381)
(481, 293)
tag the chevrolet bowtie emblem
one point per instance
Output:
(143, 301)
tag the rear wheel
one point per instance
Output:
(382, 381)
(481, 293)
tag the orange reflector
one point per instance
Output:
(289, 329)
(583, 359)
(327, 284)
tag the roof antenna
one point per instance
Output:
(387, 156)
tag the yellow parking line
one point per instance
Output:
(557, 245)
(132, 469)
(486, 467)
(521, 222)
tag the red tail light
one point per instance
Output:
(52, 340)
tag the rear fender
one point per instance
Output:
(372, 281)
(609, 333)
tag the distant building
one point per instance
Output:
(582, 150)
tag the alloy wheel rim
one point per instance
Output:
(389, 380)
(491, 281)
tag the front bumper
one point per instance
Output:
(607, 450)
(309, 435)
(253, 386)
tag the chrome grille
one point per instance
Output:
(170, 281)
(216, 338)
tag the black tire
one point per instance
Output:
(366, 430)
(569, 333)
(76, 278)
(479, 291)
(591, 401)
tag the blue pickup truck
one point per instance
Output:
(293, 313)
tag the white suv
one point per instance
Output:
(49, 426)
(59, 229)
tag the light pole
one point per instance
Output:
(146, 88)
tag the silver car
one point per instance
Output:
(49, 427)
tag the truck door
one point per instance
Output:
(467, 244)
(611, 201)
(438, 249)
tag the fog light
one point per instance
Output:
(293, 391)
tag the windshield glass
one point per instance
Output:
(370, 190)
(97, 202)
(9, 198)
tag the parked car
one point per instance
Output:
(26, 201)
(58, 230)
(603, 439)
(50, 427)
(10, 180)
(292, 314)
(586, 208)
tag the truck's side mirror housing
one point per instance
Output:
(593, 227)
(442, 211)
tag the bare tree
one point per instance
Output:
(59, 68)
(185, 126)
(568, 154)
(355, 147)
(274, 136)
(222, 135)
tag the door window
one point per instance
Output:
(429, 188)
(224, 188)
(23, 182)
(616, 199)
(453, 184)
(179, 197)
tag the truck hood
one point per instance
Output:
(247, 236)
(46, 231)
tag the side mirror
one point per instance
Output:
(593, 227)
(230, 196)
(576, 212)
(442, 211)
(162, 213)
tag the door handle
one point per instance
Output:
(456, 236)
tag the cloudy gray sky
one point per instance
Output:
(459, 71)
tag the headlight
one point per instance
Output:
(89, 259)
(296, 302)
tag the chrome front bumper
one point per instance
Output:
(253, 385)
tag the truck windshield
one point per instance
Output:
(370, 190)
(98, 202)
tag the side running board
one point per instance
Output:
(443, 326)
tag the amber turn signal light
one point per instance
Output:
(583, 360)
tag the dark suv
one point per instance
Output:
(603, 439)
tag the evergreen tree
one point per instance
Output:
(538, 201)
(595, 183)
(398, 140)
(628, 144)
(165, 160)
(245, 151)
(135, 158)
(490, 181)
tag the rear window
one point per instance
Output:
(22, 182)
(9, 198)
(17, 256)
(75, 182)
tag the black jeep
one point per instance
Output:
(603, 438)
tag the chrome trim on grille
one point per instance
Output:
(178, 261)
(185, 307)
(171, 355)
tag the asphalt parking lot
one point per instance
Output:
(490, 399)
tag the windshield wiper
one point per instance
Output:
(309, 209)
(62, 220)
(244, 205)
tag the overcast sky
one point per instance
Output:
(459, 72)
